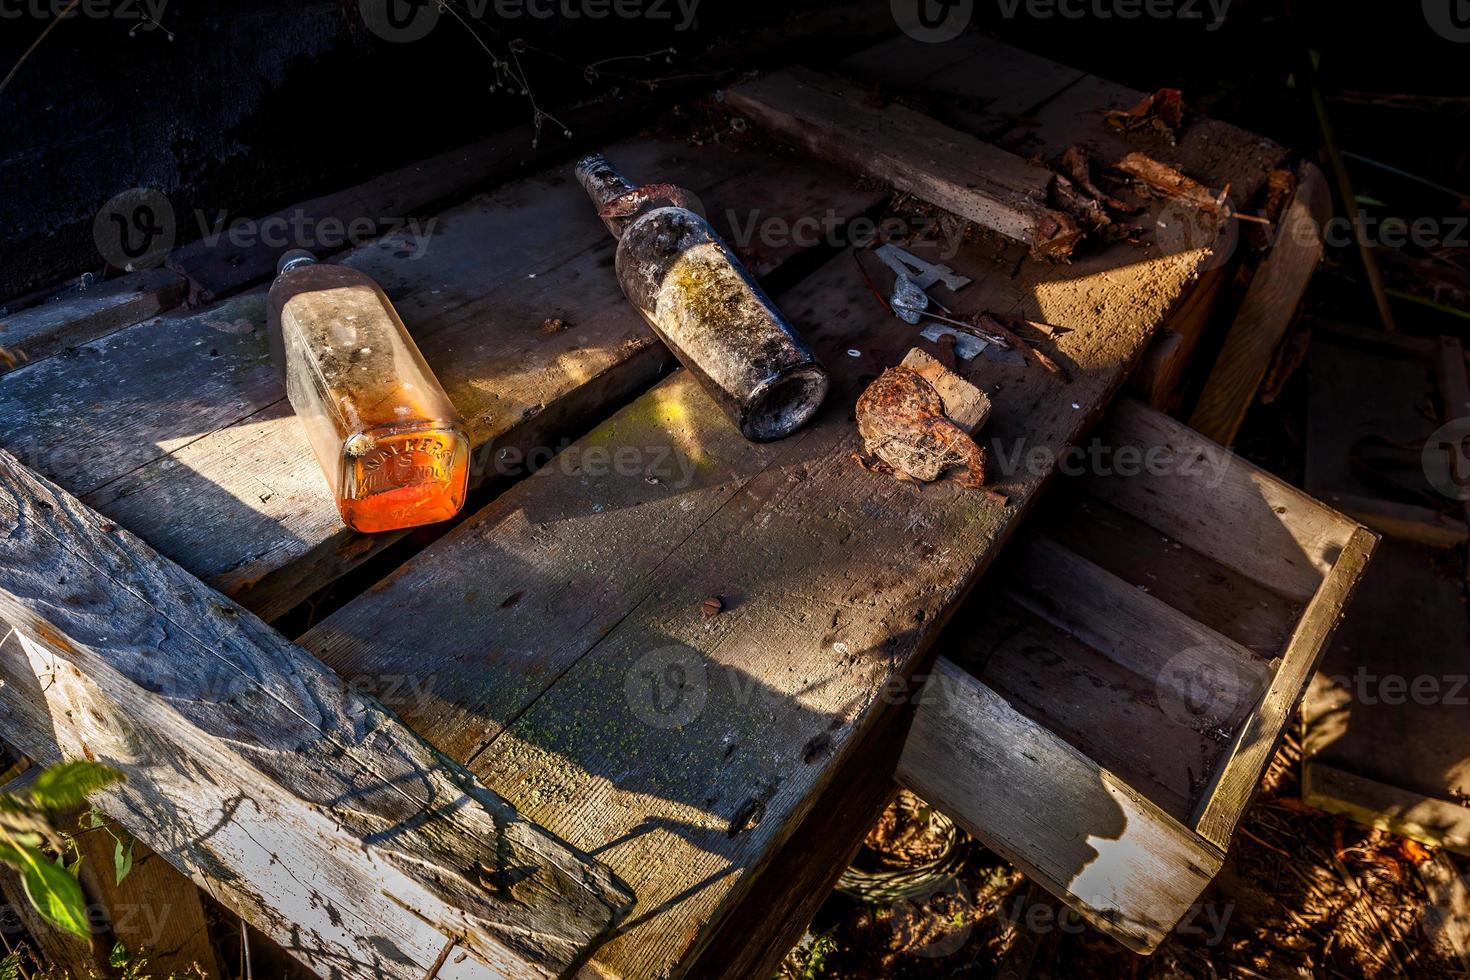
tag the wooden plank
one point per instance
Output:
(1250, 521)
(1112, 715)
(1448, 923)
(1366, 395)
(41, 331)
(252, 766)
(1438, 823)
(1137, 631)
(180, 431)
(914, 153)
(1159, 378)
(1240, 777)
(1191, 581)
(1126, 866)
(558, 591)
(1396, 676)
(1406, 521)
(1266, 313)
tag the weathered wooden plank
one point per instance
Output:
(1267, 312)
(570, 594)
(1109, 712)
(179, 430)
(1395, 676)
(914, 153)
(47, 329)
(1085, 835)
(1137, 631)
(307, 807)
(991, 88)
(1239, 778)
(1406, 812)
(1251, 522)
(1407, 521)
(1191, 581)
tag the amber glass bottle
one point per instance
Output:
(390, 443)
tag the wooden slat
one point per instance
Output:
(1239, 779)
(252, 766)
(1436, 822)
(1136, 630)
(1406, 521)
(50, 328)
(913, 152)
(1126, 866)
(1191, 581)
(1114, 716)
(179, 431)
(1249, 521)
(1267, 312)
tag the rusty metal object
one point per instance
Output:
(705, 306)
(901, 419)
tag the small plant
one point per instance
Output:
(47, 858)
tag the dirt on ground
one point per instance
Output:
(1303, 894)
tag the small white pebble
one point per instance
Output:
(1075, 406)
(840, 646)
(854, 353)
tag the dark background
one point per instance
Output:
(249, 106)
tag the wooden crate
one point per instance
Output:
(1106, 708)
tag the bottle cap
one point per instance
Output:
(293, 258)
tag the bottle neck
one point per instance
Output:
(604, 185)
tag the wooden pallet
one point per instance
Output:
(552, 643)
(1401, 681)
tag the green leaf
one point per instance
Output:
(122, 860)
(119, 956)
(10, 967)
(54, 893)
(64, 786)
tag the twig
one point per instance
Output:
(1307, 72)
(37, 42)
(1360, 895)
(439, 961)
(1268, 846)
(1052, 367)
(968, 328)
